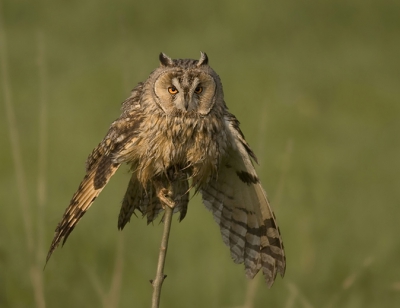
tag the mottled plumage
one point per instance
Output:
(177, 134)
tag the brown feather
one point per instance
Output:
(241, 208)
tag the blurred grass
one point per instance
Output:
(322, 77)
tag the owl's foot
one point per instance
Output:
(165, 197)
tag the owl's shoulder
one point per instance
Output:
(133, 101)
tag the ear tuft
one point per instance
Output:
(165, 60)
(203, 59)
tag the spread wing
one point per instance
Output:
(241, 208)
(97, 176)
(101, 165)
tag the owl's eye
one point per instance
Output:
(172, 90)
(198, 90)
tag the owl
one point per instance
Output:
(176, 134)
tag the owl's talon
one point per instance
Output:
(164, 196)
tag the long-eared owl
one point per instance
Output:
(176, 134)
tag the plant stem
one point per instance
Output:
(158, 281)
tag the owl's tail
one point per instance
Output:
(147, 202)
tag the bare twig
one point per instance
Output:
(36, 271)
(295, 292)
(111, 297)
(251, 293)
(114, 292)
(14, 139)
(349, 282)
(158, 281)
(33, 247)
(42, 155)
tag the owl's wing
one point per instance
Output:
(240, 207)
(97, 176)
(101, 165)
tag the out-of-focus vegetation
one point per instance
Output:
(316, 86)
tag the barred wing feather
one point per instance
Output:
(240, 207)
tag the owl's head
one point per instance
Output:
(185, 85)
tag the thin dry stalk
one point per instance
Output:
(294, 290)
(98, 288)
(35, 272)
(14, 139)
(158, 281)
(251, 293)
(42, 151)
(291, 300)
(111, 298)
(114, 292)
(349, 282)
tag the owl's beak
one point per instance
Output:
(184, 102)
(187, 99)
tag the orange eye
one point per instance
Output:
(198, 90)
(172, 90)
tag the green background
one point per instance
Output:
(316, 86)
